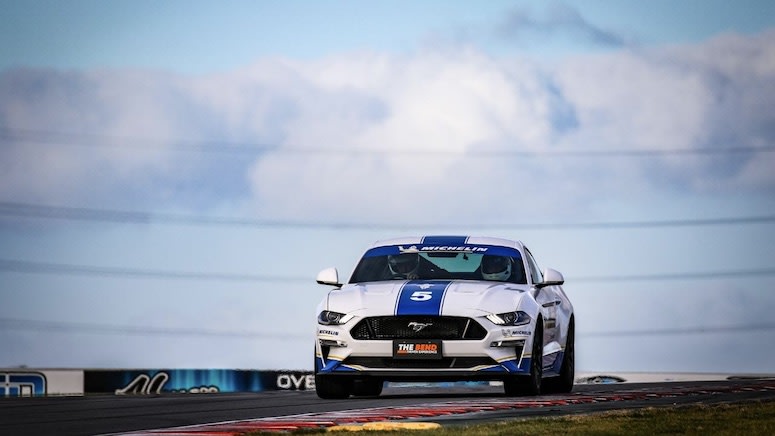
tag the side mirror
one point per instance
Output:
(552, 278)
(329, 276)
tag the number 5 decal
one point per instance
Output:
(421, 295)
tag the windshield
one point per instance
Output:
(398, 263)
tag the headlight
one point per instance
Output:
(328, 317)
(510, 318)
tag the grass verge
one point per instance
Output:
(755, 418)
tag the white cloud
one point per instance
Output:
(457, 103)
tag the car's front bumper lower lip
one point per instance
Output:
(427, 376)
(483, 372)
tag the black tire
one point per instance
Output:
(529, 384)
(367, 387)
(332, 387)
(563, 383)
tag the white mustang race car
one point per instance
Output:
(444, 308)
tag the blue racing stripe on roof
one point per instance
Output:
(444, 240)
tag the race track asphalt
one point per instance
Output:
(166, 413)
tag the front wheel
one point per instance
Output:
(529, 384)
(563, 383)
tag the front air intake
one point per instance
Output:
(418, 327)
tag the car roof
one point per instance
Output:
(450, 241)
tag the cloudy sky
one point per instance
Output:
(173, 175)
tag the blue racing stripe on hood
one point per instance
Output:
(419, 297)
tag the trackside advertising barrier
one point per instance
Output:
(23, 382)
(194, 381)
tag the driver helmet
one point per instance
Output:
(404, 263)
(496, 267)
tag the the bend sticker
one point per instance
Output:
(421, 298)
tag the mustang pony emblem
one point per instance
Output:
(417, 326)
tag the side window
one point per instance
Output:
(535, 272)
(518, 276)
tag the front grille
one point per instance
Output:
(401, 327)
(444, 363)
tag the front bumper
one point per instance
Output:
(502, 351)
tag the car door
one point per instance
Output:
(549, 303)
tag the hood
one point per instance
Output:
(426, 297)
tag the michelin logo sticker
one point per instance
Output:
(465, 248)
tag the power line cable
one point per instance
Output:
(685, 330)
(32, 267)
(124, 216)
(95, 140)
(94, 328)
(20, 266)
(678, 276)
(80, 327)
(48, 138)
